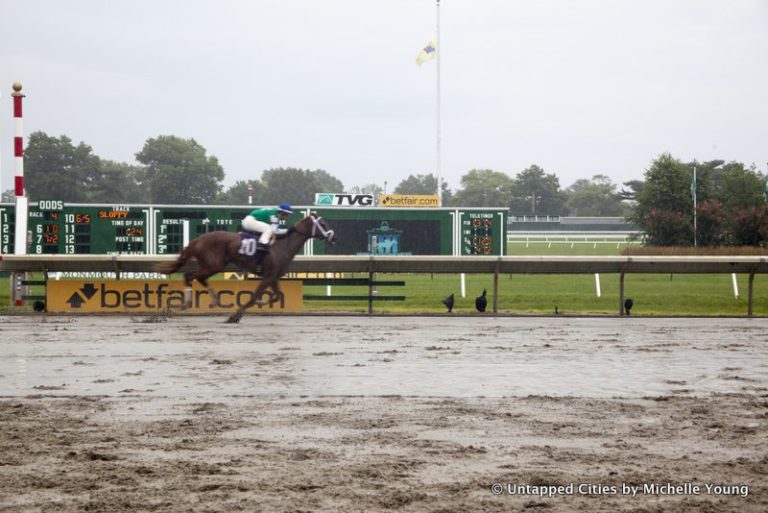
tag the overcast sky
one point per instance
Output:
(577, 87)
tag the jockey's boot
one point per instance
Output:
(261, 252)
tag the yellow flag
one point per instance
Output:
(427, 53)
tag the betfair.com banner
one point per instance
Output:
(159, 296)
(409, 200)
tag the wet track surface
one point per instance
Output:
(205, 358)
(322, 413)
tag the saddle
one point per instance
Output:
(248, 235)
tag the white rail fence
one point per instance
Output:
(572, 238)
(621, 265)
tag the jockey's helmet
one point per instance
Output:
(285, 208)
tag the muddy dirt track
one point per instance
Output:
(376, 414)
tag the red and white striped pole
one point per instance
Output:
(20, 246)
(18, 140)
(22, 207)
(1, 163)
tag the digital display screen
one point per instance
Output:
(377, 237)
(73, 230)
(478, 235)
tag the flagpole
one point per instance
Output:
(695, 238)
(439, 51)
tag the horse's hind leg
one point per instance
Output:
(202, 277)
(189, 276)
(214, 295)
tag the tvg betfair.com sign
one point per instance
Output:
(158, 296)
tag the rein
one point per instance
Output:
(317, 227)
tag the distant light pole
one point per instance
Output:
(765, 187)
(533, 199)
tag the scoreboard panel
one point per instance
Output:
(58, 228)
(7, 228)
(129, 226)
(75, 229)
(415, 231)
(482, 232)
(170, 222)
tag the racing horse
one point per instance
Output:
(215, 250)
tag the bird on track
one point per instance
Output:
(628, 303)
(448, 302)
(481, 301)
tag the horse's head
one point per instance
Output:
(320, 228)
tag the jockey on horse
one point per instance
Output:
(266, 221)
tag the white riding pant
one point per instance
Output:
(252, 224)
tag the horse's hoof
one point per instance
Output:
(234, 318)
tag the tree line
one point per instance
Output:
(172, 170)
(730, 197)
(724, 205)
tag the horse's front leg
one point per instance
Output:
(235, 317)
(274, 296)
(263, 285)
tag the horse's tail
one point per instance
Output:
(172, 267)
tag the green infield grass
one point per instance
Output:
(652, 294)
